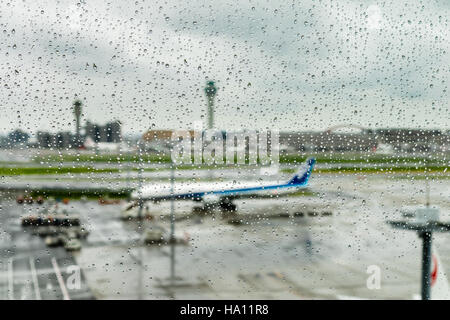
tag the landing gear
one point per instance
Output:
(227, 205)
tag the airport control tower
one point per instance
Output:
(210, 91)
(77, 112)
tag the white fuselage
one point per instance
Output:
(220, 188)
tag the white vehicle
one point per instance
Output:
(384, 148)
(153, 236)
(90, 144)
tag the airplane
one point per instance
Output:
(221, 193)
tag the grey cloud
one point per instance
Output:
(273, 64)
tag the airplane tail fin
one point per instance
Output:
(302, 176)
(439, 283)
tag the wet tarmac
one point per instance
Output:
(317, 246)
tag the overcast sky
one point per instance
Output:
(292, 65)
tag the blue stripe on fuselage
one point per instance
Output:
(231, 192)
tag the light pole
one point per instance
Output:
(140, 220)
(77, 104)
(210, 91)
(172, 223)
(140, 184)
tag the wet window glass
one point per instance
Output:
(224, 149)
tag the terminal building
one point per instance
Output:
(332, 140)
(60, 140)
(415, 140)
(328, 141)
(398, 140)
(108, 133)
(395, 140)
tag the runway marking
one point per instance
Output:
(291, 287)
(60, 280)
(10, 279)
(35, 280)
